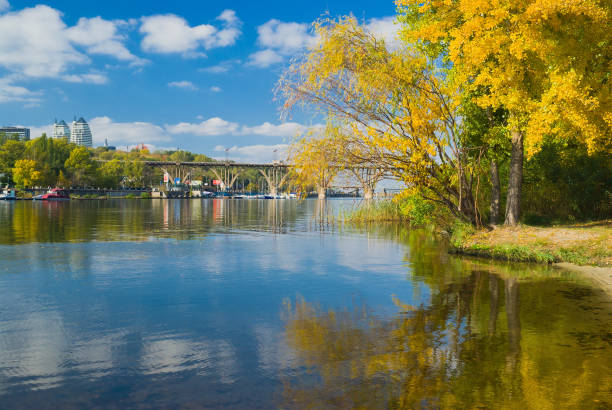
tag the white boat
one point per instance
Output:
(7, 194)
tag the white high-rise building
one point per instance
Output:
(61, 130)
(81, 134)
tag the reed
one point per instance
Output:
(384, 210)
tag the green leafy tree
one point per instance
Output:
(110, 173)
(181, 156)
(62, 181)
(134, 173)
(80, 166)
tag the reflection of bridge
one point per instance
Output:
(275, 173)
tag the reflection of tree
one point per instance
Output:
(456, 352)
(127, 220)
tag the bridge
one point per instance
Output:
(227, 172)
(275, 174)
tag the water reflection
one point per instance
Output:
(135, 220)
(485, 341)
(178, 354)
(194, 304)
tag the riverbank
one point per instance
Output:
(584, 244)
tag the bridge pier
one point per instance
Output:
(368, 177)
(274, 179)
(368, 192)
(228, 178)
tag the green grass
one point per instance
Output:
(522, 253)
(516, 253)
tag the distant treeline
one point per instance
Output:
(48, 161)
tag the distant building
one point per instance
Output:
(22, 133)
(108, 147)
(81, 134)
(61, 130)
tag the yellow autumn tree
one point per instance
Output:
(546, 62)
(26, 173)
(313, 160)
(339, 152)
(396, 102)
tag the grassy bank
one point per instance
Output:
(579, 244)
(584, 244)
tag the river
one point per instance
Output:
(274, 303)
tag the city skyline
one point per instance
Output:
(189, 76)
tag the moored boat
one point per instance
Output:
(7, 194)
(55, 194)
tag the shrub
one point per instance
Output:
(418, 210)
(459, 231)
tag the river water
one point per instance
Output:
(268, 304)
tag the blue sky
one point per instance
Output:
(191, 74)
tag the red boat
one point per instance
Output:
(56, 194)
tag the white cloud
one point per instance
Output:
(256, 153)
(211, 126)
(36, 43)
(215, 89)
(231, 31)
(385, 28)
(132, 133)
(36, 132)
(33, 42)
(264, 58)
(172, 34)
(187, 85)
(101, 36)
(92, 78)
(219, 126)
(287, 129)
(222, 67)
(123, 133)
(11, 93)
(287, 38)
(118, 133)
(279, 39)
(4, 5)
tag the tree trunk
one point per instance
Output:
(515, 180)
(494, 301)
(514, 323)
(495, 193)
(321, 192)
(467, 205)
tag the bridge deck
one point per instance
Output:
(215, 164)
